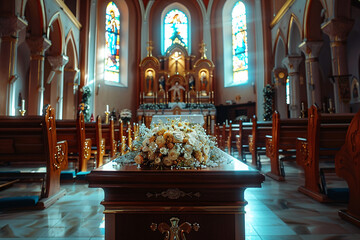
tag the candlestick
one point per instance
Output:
(123, 145)
(23, 105)
(22, 112)
(331, 109)
(129, 136)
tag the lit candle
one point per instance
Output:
(23, 105)
(107, 108)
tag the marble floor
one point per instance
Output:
(275, 211)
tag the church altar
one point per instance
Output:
(177, 84)
(146, 113)
(205, 203)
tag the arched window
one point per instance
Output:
(112, 39)
(239, 44)
(176, 29)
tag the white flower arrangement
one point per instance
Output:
(177, 144)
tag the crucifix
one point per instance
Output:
(202, 50)
(176, 57)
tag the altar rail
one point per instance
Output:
(29, 150)
(325, 135)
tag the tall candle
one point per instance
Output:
(302, 106)
(23, 105)
(330, 103)
(107, 108)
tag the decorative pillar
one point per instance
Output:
(37, 46)
(280, 88)
(57, 74)
(292, 64)
(9, 31)
(313, 89)
(338, 29)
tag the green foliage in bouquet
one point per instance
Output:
(85, 102)
(269, 94)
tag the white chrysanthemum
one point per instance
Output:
(164, 150)
(145, 149)
(178, 136)
(173, 154)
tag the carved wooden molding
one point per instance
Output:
(173, 193)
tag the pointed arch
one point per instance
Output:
(295, 35)
(280, 50)
(71, 51)
(55, 32)
(34, 13)
(313, 19)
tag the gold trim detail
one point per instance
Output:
(281, 12)
(173, 193)
(68, 12)
(175, 232)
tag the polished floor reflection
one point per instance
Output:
(275, 211)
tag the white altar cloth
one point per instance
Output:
(191, 118)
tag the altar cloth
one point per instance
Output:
(191, 118)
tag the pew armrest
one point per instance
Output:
(61, 155)
(269, 146)
(302, 152)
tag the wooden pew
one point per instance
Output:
(283, 141)
(29, 150)
(79, 147)
(325, 135)
(257, 142)
(242, 141)
(347, 164)
(108, 132)
(94, 132)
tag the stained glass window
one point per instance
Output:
(175, 29)
(112, 38)
(239, 44)
(287, 90)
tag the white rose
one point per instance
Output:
(178, 136)
(153, 146)
(187, 155)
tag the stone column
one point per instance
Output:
(57, 78)
(70, 90)
(37, 46)
(338, 29)
(9, 31)
(280, 91)
(292, 64)
(311, 50)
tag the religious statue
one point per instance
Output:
(191, 82)
(176, 89)
(204, 83)
(162, 82)
(149, 82)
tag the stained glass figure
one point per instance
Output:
(112, 38)
(175, 29)
(239, 44)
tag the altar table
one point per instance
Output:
(139, 203)
(191, 118)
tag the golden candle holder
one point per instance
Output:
(22, 112)
(107, 113)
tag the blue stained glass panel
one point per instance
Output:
(239, 44)
(175, 29)
(112, 39)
